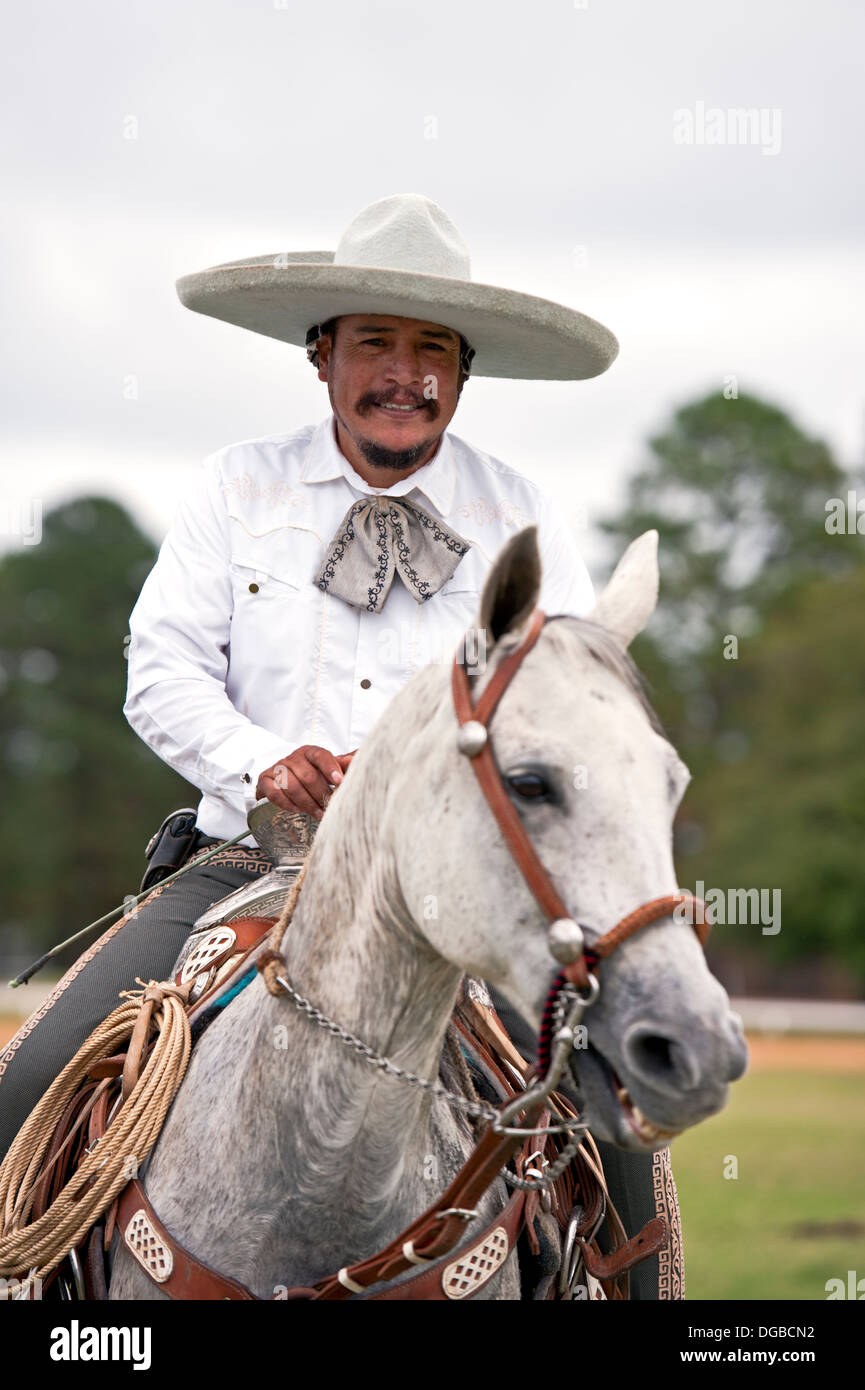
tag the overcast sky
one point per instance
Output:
(147, 140)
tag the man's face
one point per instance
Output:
(393, 383)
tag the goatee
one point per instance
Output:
(397, 459)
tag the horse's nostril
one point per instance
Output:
(654, 1052)
(660, 1060)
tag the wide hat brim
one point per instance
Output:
(514, 335)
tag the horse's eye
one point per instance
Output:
(530, 786)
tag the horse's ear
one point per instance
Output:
(513, 585)
(629, 599)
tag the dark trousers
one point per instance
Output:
(146, 943)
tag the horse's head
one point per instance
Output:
(596, 785)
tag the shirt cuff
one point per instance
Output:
(241, 759)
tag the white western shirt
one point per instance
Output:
(237, 657)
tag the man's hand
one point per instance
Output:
(303, 781)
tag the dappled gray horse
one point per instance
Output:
(285, 1157)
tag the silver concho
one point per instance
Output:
(206, 951)
(471, 738)
(565, 940)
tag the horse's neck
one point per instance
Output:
(279, 1116)
(361, 962)
(354, 950)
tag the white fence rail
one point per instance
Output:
(801, 1015)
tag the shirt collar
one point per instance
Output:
(325, 461)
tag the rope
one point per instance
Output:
(271, 962)
(35, 1249)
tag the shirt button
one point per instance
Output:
(365, 684)
(253, 588)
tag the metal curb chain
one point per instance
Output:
(474, 1108)
(552, 1170)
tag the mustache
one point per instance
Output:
(374, 398)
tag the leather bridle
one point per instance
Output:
(566, 938)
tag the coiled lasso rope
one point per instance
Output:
(35, 1249)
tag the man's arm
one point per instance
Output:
(178, 658)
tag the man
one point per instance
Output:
(261, 541)
(307, 575)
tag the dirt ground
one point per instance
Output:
(776, 1052)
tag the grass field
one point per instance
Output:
(795, 1215)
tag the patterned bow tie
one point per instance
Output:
(384, 535)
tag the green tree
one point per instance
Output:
(754, 663)
(784, 802)
(738, 495)
(82, 792)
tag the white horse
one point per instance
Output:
(285, 1157)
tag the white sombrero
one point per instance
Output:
(404, 256)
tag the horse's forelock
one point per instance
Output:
(609, 653)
